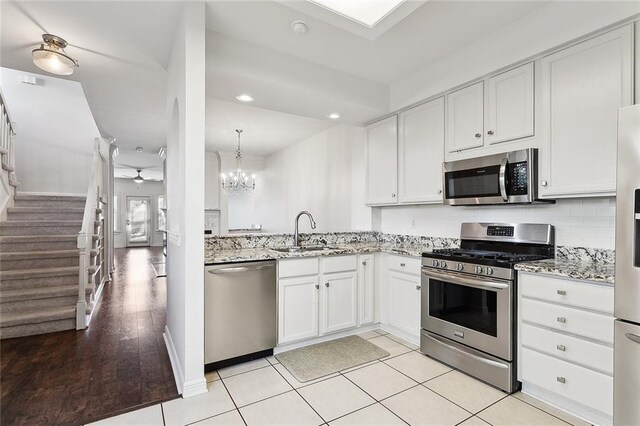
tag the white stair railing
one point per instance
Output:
(91, 275)
(7, 141)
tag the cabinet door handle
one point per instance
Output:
(544, 183)
(562, 292)
(439, 191)
(364, 262)
(317, 286)
(490, 132)
(418, 287)
(561, 379)
(561, 320)
(561, 348)
(326, 284)
(403, 265)
(393, 195)
(478, 135)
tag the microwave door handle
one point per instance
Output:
(502, 179)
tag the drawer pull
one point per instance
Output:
(418, 287)
(403, 265)
(317, 286)
(561, 379)
(561, 348)
(562, 292)
(326, 284)
(562, 320)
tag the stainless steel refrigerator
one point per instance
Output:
(626, 373)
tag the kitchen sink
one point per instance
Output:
(303, 249)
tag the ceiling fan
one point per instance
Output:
(137, 177)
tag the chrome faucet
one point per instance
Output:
(296, 236)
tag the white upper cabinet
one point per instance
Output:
(421, 153)
(509, 111)
(465, 114)
(382, 162)
(582, 88)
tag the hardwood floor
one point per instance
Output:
(118, 364)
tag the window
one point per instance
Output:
(116, 215)
(161, 219)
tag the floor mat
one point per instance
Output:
(322, 359)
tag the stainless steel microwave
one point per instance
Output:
(507, 178)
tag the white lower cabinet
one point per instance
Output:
(331, 294)
(403, 295)
(339, 301)
(565, 344)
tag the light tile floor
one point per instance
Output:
(404, 388)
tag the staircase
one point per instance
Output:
(39, 265)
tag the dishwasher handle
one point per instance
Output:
(236, 269)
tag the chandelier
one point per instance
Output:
(237, 180)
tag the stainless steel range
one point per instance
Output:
(469, 298)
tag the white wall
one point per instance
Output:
(211, 182)
(243, 209)
(323, 174)
(185, 166)
(546, 28)
(124, 188)
(55, 133)
(588, 222)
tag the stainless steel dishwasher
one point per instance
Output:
(240, 312)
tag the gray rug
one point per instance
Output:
(322, 359)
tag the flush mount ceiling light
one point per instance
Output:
(364, 12)
(51, 57)
(243, 97)
(139, 149)
(333, 115)
(138, 179)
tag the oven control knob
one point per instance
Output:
(489, 271)
(479, 269)
(443, 264)
(435, 263)
(460, 267)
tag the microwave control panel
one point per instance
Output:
(518, 178)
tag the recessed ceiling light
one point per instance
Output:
(334, 115)
(299, 27)
(244, 98)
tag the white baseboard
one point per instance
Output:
(194, 387)
(178, 375)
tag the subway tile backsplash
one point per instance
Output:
(580, 222)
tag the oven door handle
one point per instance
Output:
(502, 179)
(477, 283)
(469, 354)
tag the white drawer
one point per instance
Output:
(584, 386)
(566, 291)
(339, 263)
(568, 348)
(297, 267)
(571, 320)
(409, 265)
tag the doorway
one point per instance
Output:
(138, 221)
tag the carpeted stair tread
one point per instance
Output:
(37, 209)
(37, 316)
(38, 222)
(37, 238)
(49, 254)
(40, 293)
(39, 273)
(34, 197)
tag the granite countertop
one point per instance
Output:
(213, 257)
(589, 270)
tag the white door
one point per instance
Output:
(366, 289)
(339, 301)
(404, 302)
(421, 153)
(510, 105)
(298, 308)
(582, 88)
(138, 221)
(465, 115)
(382, 162)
